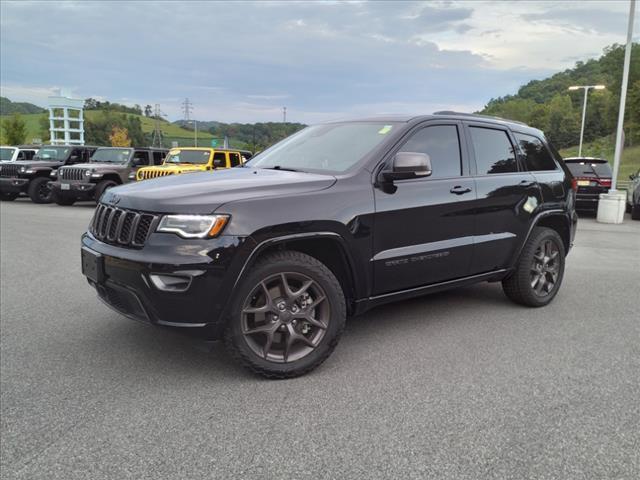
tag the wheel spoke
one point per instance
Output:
(315, 322)
(316, 302)
(268, 343)
(286, 289)
(541, 284)
(268, 328)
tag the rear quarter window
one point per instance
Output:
(536, 155)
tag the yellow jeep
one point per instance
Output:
(194, 159)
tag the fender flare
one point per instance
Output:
(533, 224)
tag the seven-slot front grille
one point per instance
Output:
(122, 227)
(9, 170)
(147, 174)
(70, 173)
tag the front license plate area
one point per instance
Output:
(92, 265)
(65, 186)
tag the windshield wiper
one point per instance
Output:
(280, 167)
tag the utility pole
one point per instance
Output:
(623, 97)
(187, 107)
(284, 114)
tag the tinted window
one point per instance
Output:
(585, 168)
(219, 160)
(158, 157)
(142, 157)
(536, 155)
(494, 152)
(234, 158)
(442, 145)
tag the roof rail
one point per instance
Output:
(478, 115)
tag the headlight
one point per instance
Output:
(132, 176)
(22, 169)
(87, 173)
(29, 170)
(54, 173)
(193, 226)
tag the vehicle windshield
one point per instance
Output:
(52, 154)
(325, 148)
(6, 153)
(582, 168)
(200, 157)
(112, 155)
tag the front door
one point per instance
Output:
(423, 231)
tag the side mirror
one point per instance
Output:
(407, 165)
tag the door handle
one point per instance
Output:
(458, 190)
(526, 183)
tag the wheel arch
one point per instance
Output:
(554, 219)
(113, 176)
(328, 248)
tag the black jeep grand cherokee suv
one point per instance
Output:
(330, 222)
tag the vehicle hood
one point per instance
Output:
(178, 167)
(101, 166)
(36, 164)
(204, 192)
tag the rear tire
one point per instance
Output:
(8, 196)
(39, 190)
(102, 187)
(539, 271)
(286, 316)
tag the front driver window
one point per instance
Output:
(442, 144)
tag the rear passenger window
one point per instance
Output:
(442, 145)
(219, 160)
(158, 158)
(537, 157)
(234, 159)
(494, 152)
(29, 154)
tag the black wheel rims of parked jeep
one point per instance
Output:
(39, 190)
(287, 315)
(539, 270)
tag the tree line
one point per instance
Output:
(549, 105)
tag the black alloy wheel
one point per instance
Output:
(39, 190)
(538, 273)
(286, 315)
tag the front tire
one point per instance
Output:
(539, 271)
(39, 190)
(102, 187)
(286, 316)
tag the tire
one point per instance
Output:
(39, 190)
(635, 211)
(8, 196)
(102, 187)
(539, 271)
(273, 338)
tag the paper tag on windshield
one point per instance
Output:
(384, 130)
(174, 151)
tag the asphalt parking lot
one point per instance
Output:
(462, 384)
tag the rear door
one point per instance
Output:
(424, 226)
(506, 196)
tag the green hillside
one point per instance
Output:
(7, 107)
(549, 105)
(37, 128)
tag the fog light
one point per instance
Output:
(171, 283)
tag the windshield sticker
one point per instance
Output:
(174, 151)
(386, 129)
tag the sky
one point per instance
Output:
(323, 60)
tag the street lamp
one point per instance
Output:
(584, 107)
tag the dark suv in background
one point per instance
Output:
(33, 176)
(108, 167)
(593, 177)
(330, 222)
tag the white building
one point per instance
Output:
(66, 121)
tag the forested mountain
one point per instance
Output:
(7, 107)
(549, 105)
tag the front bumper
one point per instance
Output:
(131, 280)
(13, 184)
(77, 190)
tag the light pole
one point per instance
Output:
(584, 107)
